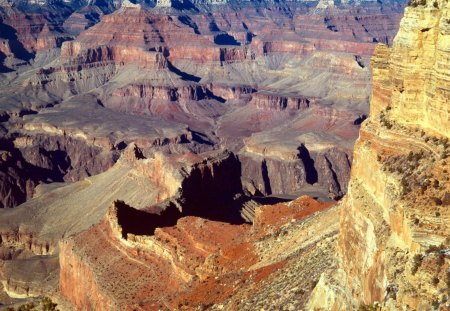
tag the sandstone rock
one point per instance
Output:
(208, 260)
(391, 225)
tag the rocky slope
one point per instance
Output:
(197, 263)
(113, 148)
(393, 241)
(199, 78)
(159, 185)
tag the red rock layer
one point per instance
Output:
(197, 262)
(196, 37)
(34, 32)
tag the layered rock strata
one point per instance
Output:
(393, 241)
(197, 262)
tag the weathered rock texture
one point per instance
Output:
(140, 108)
(198, 262)
(394, 228)
(220, 76)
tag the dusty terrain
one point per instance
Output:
(137, 152)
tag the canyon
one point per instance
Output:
(193, 79)
(202, 155)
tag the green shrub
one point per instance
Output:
(372, 307)
(416, 3)
(435, 248)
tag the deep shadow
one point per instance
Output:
(360, 62)
(184, 5)
(60, 161)
(17, 48)
(213, 96)
(201, 138)
(250, 37)
(308, 163)
(212, 190)
(332, 28)
(121, 145)
(360, 119)
(265, 177)
(189, 22)
(225, 39)
(17, 176)
(184, 75)
(139, 222)
(335, 178)
(4, 118)
(213, 26)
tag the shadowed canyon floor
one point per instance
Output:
(145, 151)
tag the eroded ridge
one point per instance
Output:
(199, 262)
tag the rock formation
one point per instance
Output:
(204, 69)
(137, 155)
(197, 262)
(394, 233)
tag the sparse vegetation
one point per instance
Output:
(417, 261)
(384, 121)
(416, 3)
(372, 307)
(46, 304)
(27, 307)
(435, 248)
(437, 201)
(435, 304)
(448, 280)
(435, 280)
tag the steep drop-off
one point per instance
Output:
(394, 246)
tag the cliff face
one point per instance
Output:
(418, 94)
(393, 243)
(36, 158)
(199, 263)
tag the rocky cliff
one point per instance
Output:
(394, 233)
(199, 263)
(284, 85)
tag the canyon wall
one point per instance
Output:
(224, 72)
(393, 242)
(283, 85)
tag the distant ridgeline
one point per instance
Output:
(107, 6)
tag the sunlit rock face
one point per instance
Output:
(419, 57)
(139, 145)
(393, 242)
